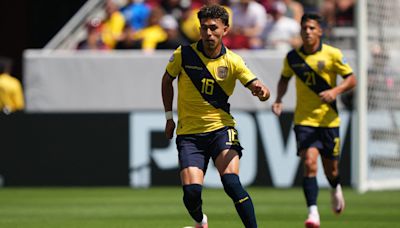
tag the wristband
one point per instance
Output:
(168, 115)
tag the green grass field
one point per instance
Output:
(163, 208)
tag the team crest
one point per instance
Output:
(321, 65)
(222, 72)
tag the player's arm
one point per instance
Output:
(167, 91)
(282, 88)
(347, 84)
(259, 90)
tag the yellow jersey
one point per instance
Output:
(150, 36)
(112, 29)
(315, 73)
(204, 86)
(11, 95)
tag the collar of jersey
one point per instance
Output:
(200, 47)
(303, 51)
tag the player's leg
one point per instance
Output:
(307, 147)
(193, 163)
(192, 180)
(330, 160)
(331, 168)
(227, 164)
(225, 149)
(310, 185)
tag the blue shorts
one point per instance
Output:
(195, 150)
(325, 139)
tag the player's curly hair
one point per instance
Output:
(311, 16)
(214, 12)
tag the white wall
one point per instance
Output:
(119, 81)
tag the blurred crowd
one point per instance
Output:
(166, 24)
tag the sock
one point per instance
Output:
(310, 188)
(313, 209)
(243, 203)
(334, 182)
(192, 201)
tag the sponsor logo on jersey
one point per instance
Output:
(193, 67)
(299, 65)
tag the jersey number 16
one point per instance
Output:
(207, 86)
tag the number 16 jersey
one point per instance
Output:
(204, 86)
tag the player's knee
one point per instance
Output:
(310, 167)
(192, 196)
(234, 188)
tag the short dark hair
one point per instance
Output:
(214, 12)
(311, 16)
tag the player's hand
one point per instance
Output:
(277, 108)
(328, 96)
(169, 128)
(260, 91)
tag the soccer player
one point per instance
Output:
(316, 66)
(11, 94)
(207, 73)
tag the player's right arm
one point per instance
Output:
(173, 69)
(167, 91)
(286, 75)
(282, 88)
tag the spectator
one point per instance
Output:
(174, 38)
(153, 33)
(267, 4)
(175, 7)
(248, 22)
(136, 14)
(112, 25)
(327, 11)
(337, 13)
(11, 94)
(310, 5)
(281, 32)
(188, 24)
(294, 9)
(93, 39)
(344, 12)
(126, 40)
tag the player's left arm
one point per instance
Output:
(340, 66)
(259, 90)
(347, 84)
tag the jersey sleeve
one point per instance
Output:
(341, 65)
(174, 65)
(287, 71)
(244, 74)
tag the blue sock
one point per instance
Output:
(243, 204)
(192, 201)
(310, 188)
